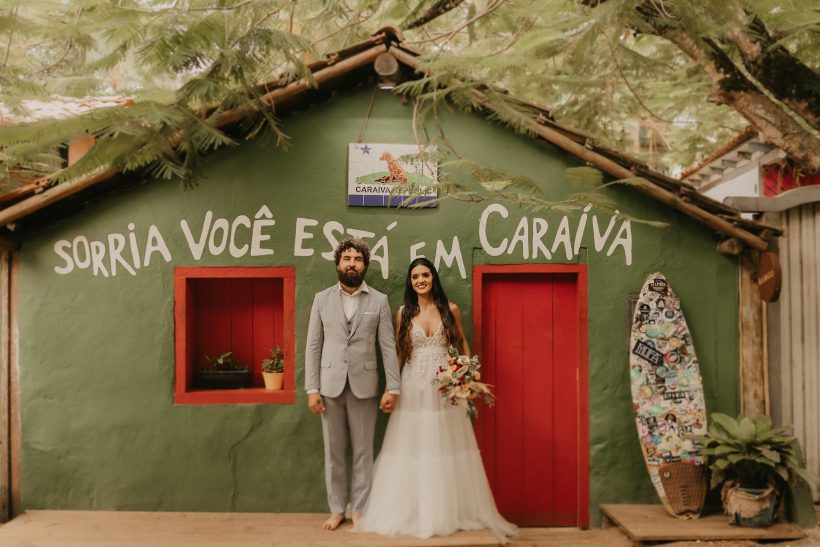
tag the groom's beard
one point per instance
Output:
(351, 277)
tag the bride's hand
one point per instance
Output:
(388, 403)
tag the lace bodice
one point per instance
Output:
(428, 353)
(437, 340)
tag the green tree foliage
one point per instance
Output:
(699, 70)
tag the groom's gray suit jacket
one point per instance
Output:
(338, 352)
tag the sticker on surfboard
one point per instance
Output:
(667, 397)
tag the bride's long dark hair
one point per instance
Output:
(411, 308)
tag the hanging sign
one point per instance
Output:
(389, 175)
(769, 277)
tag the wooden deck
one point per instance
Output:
(651, 523)
(132, 528)
(150, 529)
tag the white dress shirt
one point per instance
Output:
(350, 301)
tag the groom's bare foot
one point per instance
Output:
(333, 521)
(356, 518)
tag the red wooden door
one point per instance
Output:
(532, 332)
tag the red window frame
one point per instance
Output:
(186, 361)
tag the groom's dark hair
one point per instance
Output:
(352, 243)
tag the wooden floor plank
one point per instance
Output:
(132, 528)
(569, 537)
(653, 523)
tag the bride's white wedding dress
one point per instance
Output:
(428, 478)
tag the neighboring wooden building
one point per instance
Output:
(754, 177)
(117, 286)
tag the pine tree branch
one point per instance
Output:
(770, 103)
(8, 47)
(629, 86)
(436, 10)
(776, 125)
(68, 49)
(223, 8)
(449, 35)
(355, 23)
(523, 29)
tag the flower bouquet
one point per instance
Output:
(458, 382)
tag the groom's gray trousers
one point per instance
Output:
(343, 414)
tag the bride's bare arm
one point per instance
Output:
(460, 328)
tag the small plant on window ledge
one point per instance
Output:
(273, 369)
(224, 372)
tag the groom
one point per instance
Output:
(341, 377)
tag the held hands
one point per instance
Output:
(315, 403)
(388, 402)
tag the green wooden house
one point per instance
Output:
(116, 287)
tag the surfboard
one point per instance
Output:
(667, 397)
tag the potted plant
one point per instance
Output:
(224, 372)
(273, 369)
(755, 465)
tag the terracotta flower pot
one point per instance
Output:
(274, 380)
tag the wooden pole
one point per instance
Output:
(52, 195)
(753, 378)
(15, 445)
(5, 405)
(664, 196)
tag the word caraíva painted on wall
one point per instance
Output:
(530, 239)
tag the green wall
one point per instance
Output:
(99, 426)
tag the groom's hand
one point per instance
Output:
(388, 403)
(315, 403)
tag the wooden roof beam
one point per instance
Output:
(300, 86)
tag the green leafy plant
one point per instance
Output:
(276, 361)
(752, 453)
(225, 361)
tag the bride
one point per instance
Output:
(428, 478)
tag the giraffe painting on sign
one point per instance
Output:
(395, 169)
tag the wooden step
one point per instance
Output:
(649, 523)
